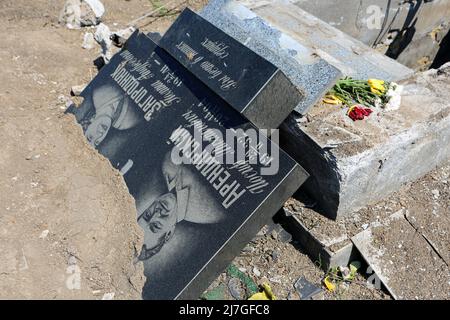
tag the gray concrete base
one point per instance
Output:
(353, 164)
(316, 249)
(311, 53)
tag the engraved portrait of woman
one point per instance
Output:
(110, 123)
(111, 109)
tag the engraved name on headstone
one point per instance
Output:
(203, 178)
(249, 83)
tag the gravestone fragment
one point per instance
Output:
(204, 179)
(245, 80)
(301, 64)
(306, 289)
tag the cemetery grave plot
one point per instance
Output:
(53, 176)
(141, 110)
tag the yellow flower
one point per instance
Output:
(266, 294)
(331, 99)
(377, 86)
(373, 90)
(330, 285)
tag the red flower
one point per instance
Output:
(358, 112)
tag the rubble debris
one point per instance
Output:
(70, 15)
(233, 271)
(275, 255)
(81, 13)
(235, 289)
(282, 275)
(284, 236)
(256, 272)
(306, 289)
(103, 37)
(44, 234)
(96, 6)
(65, 101)
(119, 37)
(401, 259)
(88, 41)
(435, 193)
(108, 296)
(77, 90)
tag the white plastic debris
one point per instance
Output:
(88, 41)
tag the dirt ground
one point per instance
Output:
(274, 260)
(417, 246)
(413, 270)
(426, 200)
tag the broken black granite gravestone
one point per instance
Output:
(177, 144)
(249, 83)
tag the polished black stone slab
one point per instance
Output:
(249, 83)
(143, 111)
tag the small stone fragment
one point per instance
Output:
(108, 296)
(77, 90)
(235, 288)
(306, 289)
(88, 41)
(44, 234)
(103, 37)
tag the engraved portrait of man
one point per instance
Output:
(184, 198)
